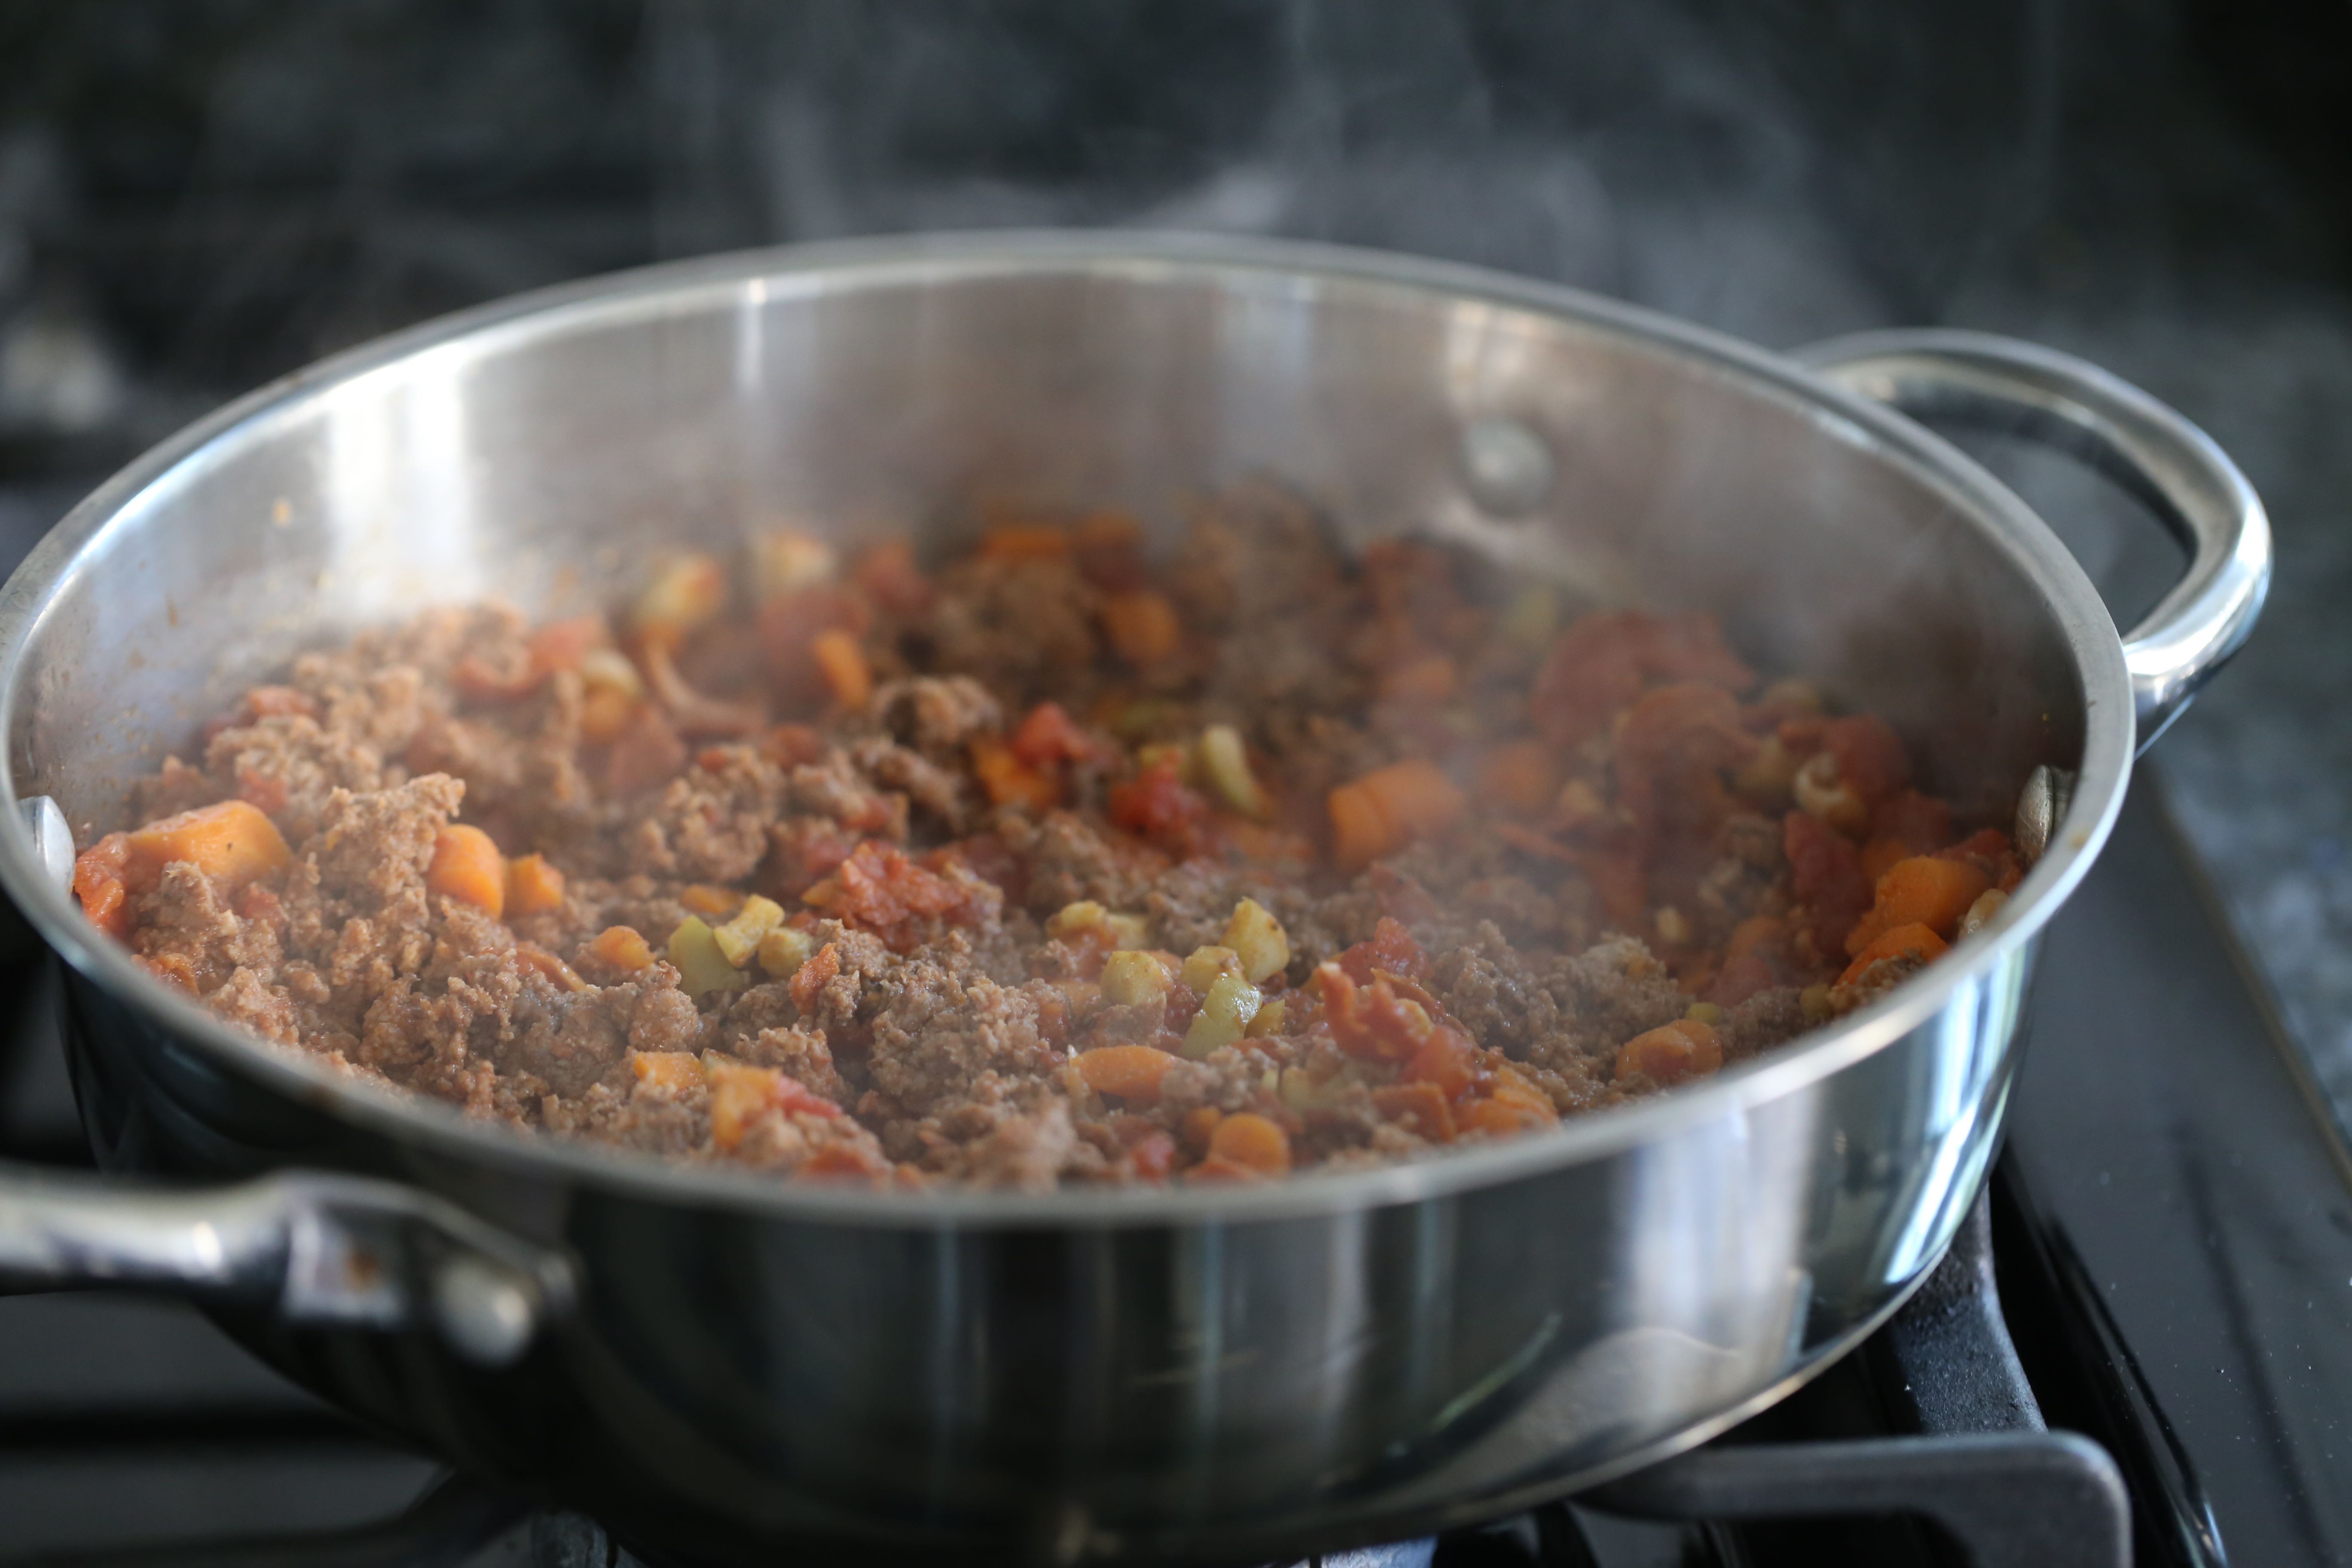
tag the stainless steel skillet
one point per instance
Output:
(718, 1365)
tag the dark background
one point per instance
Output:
(197, 196)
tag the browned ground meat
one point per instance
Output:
(1305, 860)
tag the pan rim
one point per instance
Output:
(407, 1119)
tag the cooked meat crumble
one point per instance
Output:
(1054, 863)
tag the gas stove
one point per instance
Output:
(2140, 1350)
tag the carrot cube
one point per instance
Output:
(533, 886)
(231, 842)
(466, 866)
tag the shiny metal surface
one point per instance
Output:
(2174, 466)
(1076, 1375)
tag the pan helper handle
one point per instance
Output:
(315, 1246)
(2174, 467)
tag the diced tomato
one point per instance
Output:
(1391, 950)
(1389, 1020)
(1422, 1106)
(1445, 1060)
(806, 850)
(879, 889)
(1156, 804)
(810, 979)
(1600, 663)
(1828, 875)
(886, 574)
(646, 753)
(1870, 756)
(1048, 738)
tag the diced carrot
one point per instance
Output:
(1132, 1072)
(741, 1094)
(533, 886)
(101, 882)
(621, 947)
(841, 662)
(717, 903)
(646, 753)
(232, 842)
(466, 866)
(1520, 776)
(1500, 1118)
(1200, 1125)
(548, 967)
(1008, 780)
(1514, 1089)
(1387, 808)
(1025, 542)
(1252, 1142)
(1921, 890)
(1914, 940)
(1423, 1106)
(1672, 1053)
(1142, 626)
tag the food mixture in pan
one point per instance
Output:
(1056, 862)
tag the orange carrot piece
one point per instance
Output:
(533, 886)
(550, 967)
(1920, 890)
(1513, 1088)
(1500, 1118)
(1914, 940)
(1009, 781)
(843, 664)
(1132, 1072)
(466, 866)
(674, 1071)
(1142, 626)
(1520, 776)
(1253, 1143)
(1385, 809)
(232, 842)
(621, 947)
(714, 903)
(101, 882)
(1672, 1053)
(1200, 1125)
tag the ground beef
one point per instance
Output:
(962, 916)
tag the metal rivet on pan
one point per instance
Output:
(2040, 807)
(1505, 465)
(52, 839)
(486, 1311)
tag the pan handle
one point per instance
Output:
(2169, 463)
(314, 1246)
